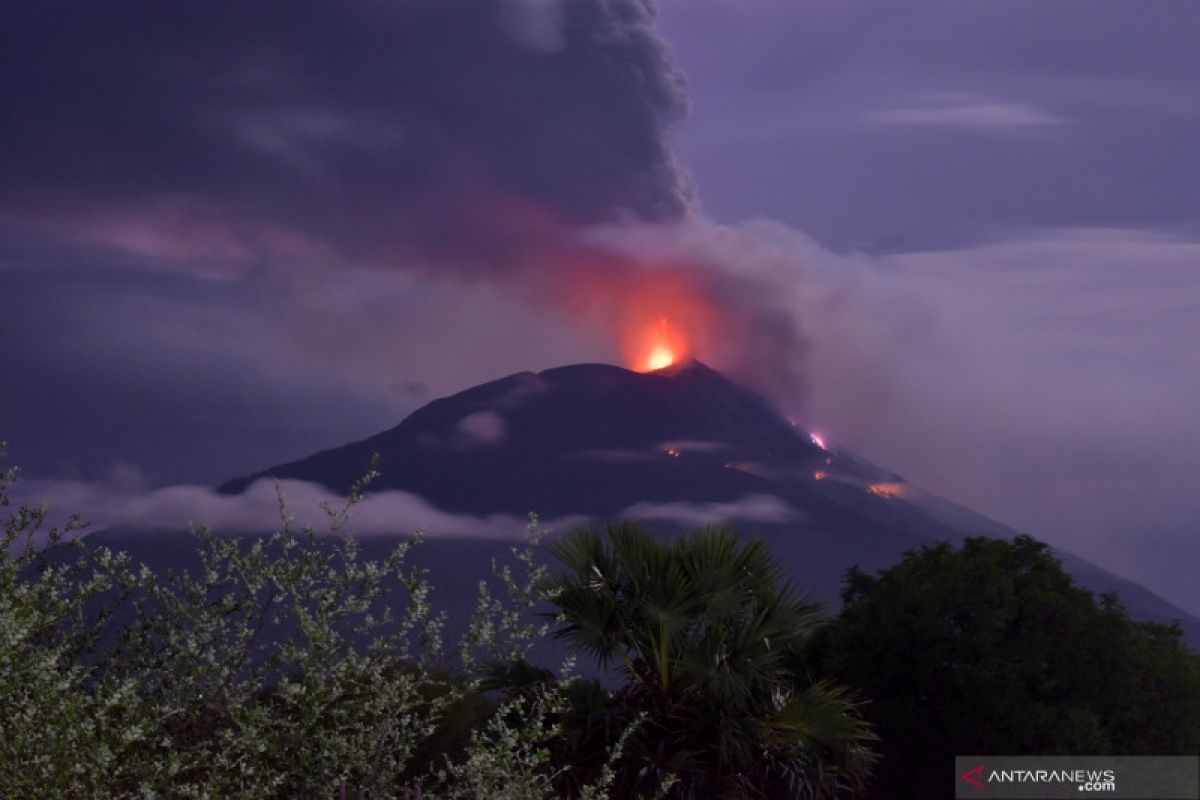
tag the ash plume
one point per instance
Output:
(472, 142)
(383, 130)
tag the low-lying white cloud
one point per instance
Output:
(384, 513)
(753, 508)
(480, 429)
(176, 508)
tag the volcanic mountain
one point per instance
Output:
(679, 447)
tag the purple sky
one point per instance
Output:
(960, 238)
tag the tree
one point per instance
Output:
(272, 666)
(992, 648)
(705, 633)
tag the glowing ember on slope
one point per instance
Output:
(818, 440)
(888, 491)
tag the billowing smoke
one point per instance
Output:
(395, 132)
(481, 141)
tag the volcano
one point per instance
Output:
(678, 447)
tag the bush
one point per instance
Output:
(278, 669)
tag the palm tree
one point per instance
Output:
(705, 631)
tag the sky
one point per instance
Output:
(961, 239)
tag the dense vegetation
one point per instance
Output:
(990, 648)
(290, 666)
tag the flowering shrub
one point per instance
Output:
(279, 668)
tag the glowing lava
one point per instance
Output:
(659, 345)
(888, 491)
(818, 440)
(659, 357)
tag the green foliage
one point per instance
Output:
(276, 669)
(991, 648)
(705, 632)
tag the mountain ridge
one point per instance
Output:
(601, 441)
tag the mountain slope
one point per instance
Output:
(675, 446)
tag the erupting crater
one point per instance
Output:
(657, 346)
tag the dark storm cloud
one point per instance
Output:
(373, 127)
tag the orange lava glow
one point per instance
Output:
(656, 314)
(663, 319)
(659, 358)
(886, 490)
(660, 346)
(820, 475)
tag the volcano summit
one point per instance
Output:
(678, 447)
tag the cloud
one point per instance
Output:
(480, 429)
(381, 131)
(753, 508)
(176, 508)
(958, 110)
(1046, 379)
(526, 385)
(381, 513)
